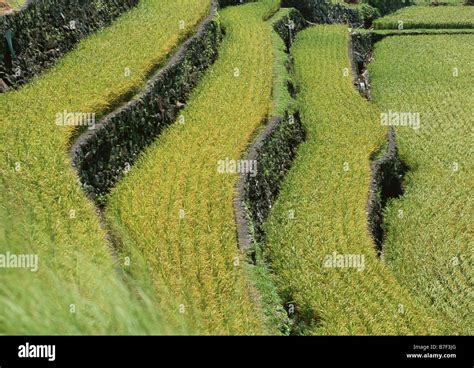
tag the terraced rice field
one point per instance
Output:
(428, 17)
(176, 209)
(430, 227)
(160, 254)
(43, 208)
(326, 195)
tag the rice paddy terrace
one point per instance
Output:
(437, 243)
(229, 168)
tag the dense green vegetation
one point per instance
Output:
(176, 208)
(43, 210)
(429, 243)
(428, 17)
(321, 208)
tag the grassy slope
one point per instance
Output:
(429, 17)
(196, 256)
(329, 205)
(37, 200)
(16, 4)
(430, 249)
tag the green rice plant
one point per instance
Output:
(176, 208)
(321, 253)
(428, 17)
(429, 243)
(43, 210)
(418, 31)
(439, 2)
(282, 100)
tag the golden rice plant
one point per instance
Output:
(323, 257)
(429, 242)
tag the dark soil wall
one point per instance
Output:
(321, 11)
(281, 27)
(388, 171)
(274, 151)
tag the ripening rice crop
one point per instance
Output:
(176, 207)
(322, 255)
(418, 31)
(428, 17)
(429, 230)
(44, 212)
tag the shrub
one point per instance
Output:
(315, 11)
(368, 14)
(389, 6)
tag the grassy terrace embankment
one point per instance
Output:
(411, 17)
(176, 209)
(43, 210)
(429, 244)
(321, 209)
